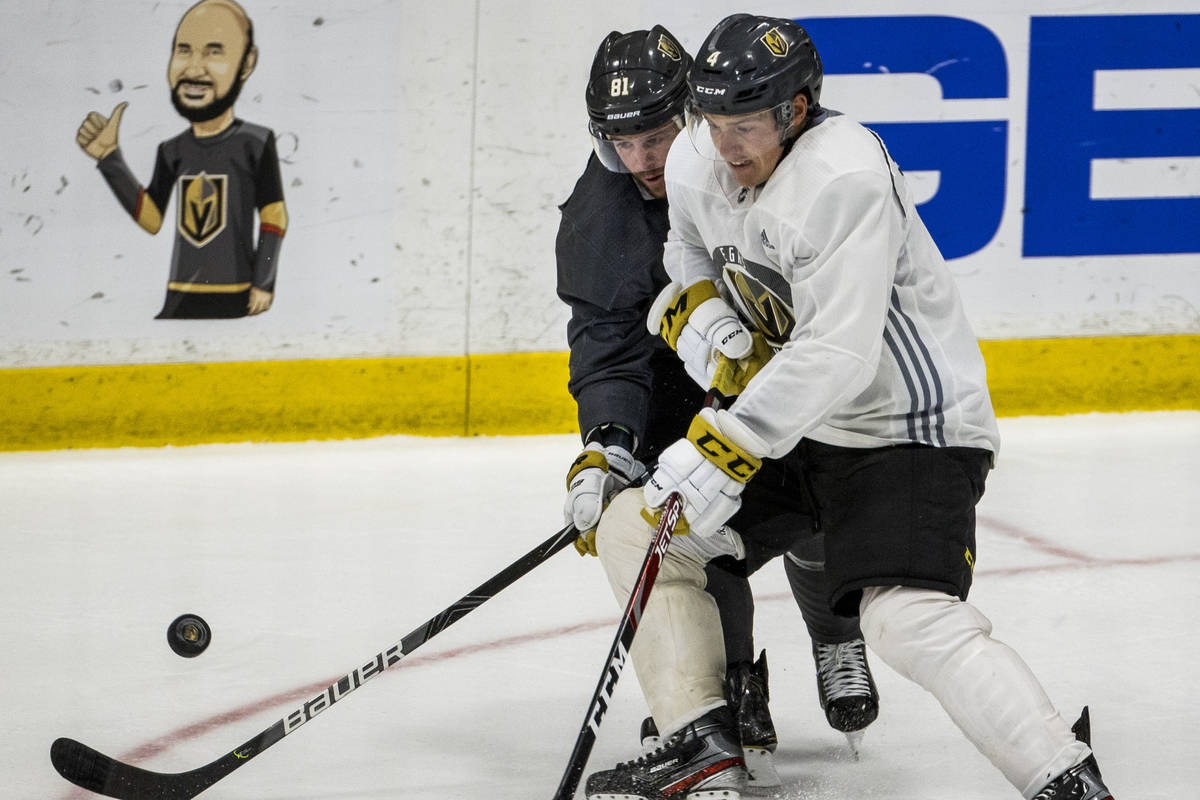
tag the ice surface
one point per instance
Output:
(307, 559)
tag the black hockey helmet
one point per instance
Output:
(750, 63)
(638, 83)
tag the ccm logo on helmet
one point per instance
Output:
(713, 90)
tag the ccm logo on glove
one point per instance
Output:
(699, 326)
(732, 461)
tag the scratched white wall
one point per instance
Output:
(425, 148)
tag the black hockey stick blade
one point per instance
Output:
(96, 772)
(92, 770)
(618, 654)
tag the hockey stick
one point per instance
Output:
(619, 652)
(96, 772)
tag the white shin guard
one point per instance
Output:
(944, 645)
(679, 652)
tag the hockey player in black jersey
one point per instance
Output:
(635, 396)
(221, 170)
(875, 400)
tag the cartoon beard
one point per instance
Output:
(214, 109)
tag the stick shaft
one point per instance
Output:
(96, 772)
(618, 654)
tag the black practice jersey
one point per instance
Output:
(609, 251)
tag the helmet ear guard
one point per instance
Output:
(784, 113)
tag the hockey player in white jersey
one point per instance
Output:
(872, 384)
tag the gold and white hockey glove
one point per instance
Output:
(596, 475)
(708, 469)
(732, 374)
(698, 324)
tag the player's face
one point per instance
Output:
(645, 155)
(204, 65)
(749, 143)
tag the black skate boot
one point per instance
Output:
(748, 694)
(1081, 782)
(845, 688)
(701, 762)
(649, 736)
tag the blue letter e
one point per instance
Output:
(1067, 132)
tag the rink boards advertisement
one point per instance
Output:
(422, 153)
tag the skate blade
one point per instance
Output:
(854, 739)
(760, 764)
(699, 794)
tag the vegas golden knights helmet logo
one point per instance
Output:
(775, 42)
(202, 204)
(668, 47)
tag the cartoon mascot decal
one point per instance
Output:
(221, 170)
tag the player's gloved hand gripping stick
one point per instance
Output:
(673, 495)
(604, 468)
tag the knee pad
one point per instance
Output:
(918, 631)
(679, 654)
(622, 538)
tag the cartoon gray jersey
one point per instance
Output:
(218, 182)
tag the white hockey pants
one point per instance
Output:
(944, 645)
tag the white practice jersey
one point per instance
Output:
(830, 261)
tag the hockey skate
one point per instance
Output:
(846, 689)
(703, 761)
(1081, 782)
(649, 736)
(748, 694)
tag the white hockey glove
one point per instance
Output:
(596, 475)
(708, 470)
(698, 324)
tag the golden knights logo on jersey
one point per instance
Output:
(202, 207)
(760, 292)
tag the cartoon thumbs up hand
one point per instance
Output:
(98, 133)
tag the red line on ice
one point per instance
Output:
(168, 740)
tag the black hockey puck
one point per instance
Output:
(189, 635)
